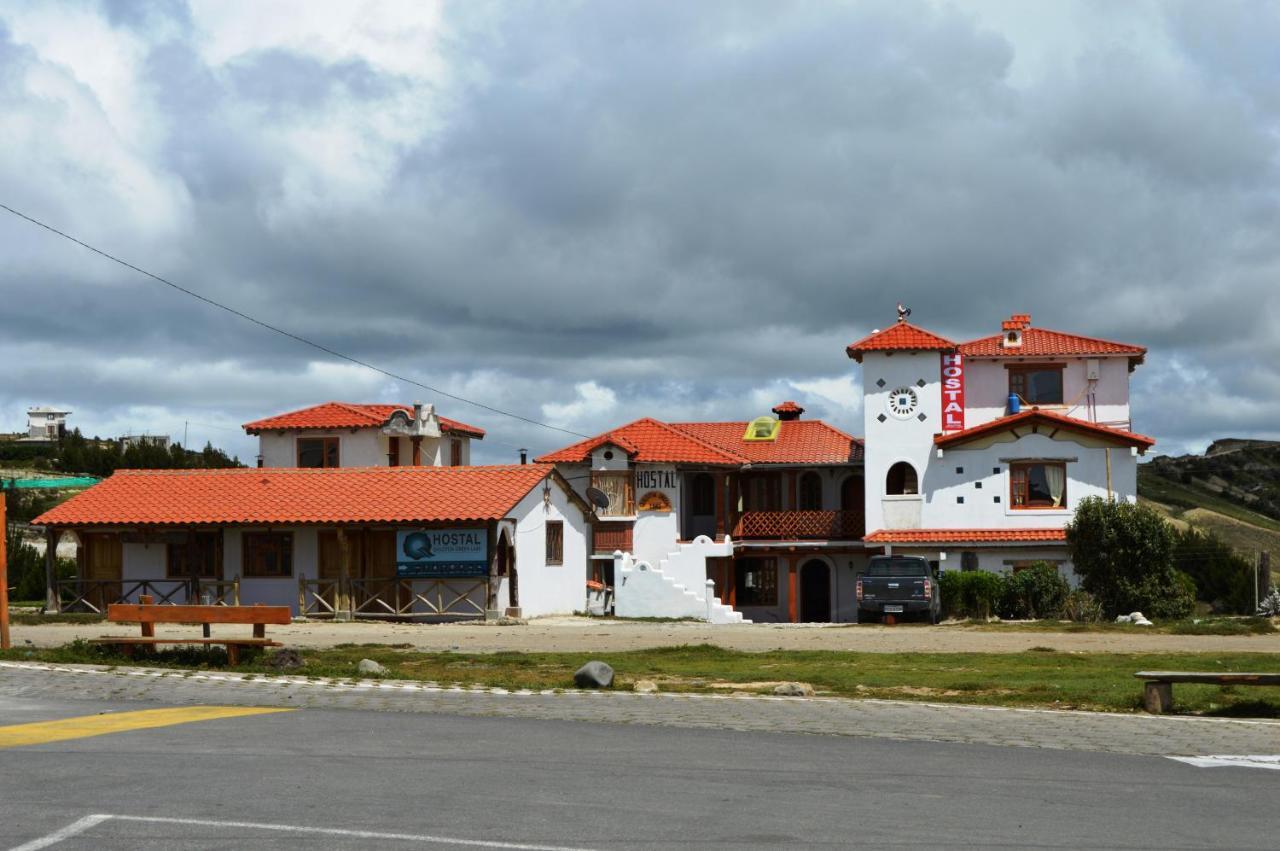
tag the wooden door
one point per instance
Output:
(328, 564)
(815, 592)
(103, 569)
(379, 567)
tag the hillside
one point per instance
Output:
(1233, 490)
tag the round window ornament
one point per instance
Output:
(903, 402)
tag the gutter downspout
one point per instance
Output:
(1110, 494)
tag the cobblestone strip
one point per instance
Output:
(902, 720)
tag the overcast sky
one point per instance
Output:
(590, 212)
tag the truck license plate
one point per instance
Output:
(893, 610)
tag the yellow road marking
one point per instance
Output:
(41, 732)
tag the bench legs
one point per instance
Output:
(1157, 698)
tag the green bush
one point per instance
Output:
(1222, 578)
(970, 594)
(1123, 554)
(1037, 592)
(1082, 607)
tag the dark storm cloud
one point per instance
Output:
(675, 210)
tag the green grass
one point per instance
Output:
(1194, 626)
(1041, 677)
(1169, 492)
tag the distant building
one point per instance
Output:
(46, 425)
(161, 440)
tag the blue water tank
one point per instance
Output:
(1015, 404)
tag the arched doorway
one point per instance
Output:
(852, 495)
(815, 592)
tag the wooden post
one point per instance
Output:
(342, 597)
(5, 644)
(51, 601)
(148, 628)
(793, 601)
(416, 441)
(1157, 698)
(722, 499)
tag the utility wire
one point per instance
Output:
(295, 337)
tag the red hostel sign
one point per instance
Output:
(952, 392)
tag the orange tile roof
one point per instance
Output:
(348, 415)
(1041, 342)
(648, 441)
(290, 496)
(788, 407)
(1034, 417)
(798, 442)
(965, 536)
(899, 337)
(652, 441)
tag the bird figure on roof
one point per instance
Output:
(903, 312)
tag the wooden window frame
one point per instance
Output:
(251, 543)
(177, 554)
(629, 491)
(553, 531)
(455, 452)
(326, 443)
(393, 451)
(766, 594)
(1019, 487)
(801, 496)
(1022, 369)
(761, 492)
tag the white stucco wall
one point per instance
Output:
(996, 559)
(366, 447)
(550, 589)
(987, 388)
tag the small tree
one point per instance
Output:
(1123, 554)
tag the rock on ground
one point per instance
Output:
(645, 686)
(285, 659)
(594, 674)
(370, 667)
(793, 690)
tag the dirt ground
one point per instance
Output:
(592, 635)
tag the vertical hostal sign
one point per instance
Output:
(442, 553)
(952, 391)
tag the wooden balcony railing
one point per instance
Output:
(612, 536)
(392, 598)
(800, 526)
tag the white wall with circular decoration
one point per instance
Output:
(902, 402)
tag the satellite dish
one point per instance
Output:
(598, 498)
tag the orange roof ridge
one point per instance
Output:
(1049, 342)
(902, 336)
(1141, 441)
(936, 536)
(335, 414)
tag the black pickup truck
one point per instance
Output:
(899, 586)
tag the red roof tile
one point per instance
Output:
(1041, 342)
(899, 337)
(1046, 419)
(964, 536)
(651, 441)
(788, 407)
(348, 415)
(290, 496)
(798, 442)
(648, 441)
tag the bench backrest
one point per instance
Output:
(143, 613)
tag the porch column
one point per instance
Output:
(793, 607)
(51, 602)
(793, 491)
(342, 596)
(722, 498)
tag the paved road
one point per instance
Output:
(353, 778)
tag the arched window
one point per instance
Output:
(901, 480)
(810, 492)
(851, 494)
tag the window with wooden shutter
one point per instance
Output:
(555, 541)
(268, 555)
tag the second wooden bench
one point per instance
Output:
(148, 615)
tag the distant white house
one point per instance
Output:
(45, 424)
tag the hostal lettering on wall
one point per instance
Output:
(953, 392)
(655, 479)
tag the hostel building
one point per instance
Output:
(418, 543)
(975, 456)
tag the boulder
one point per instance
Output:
(645, 686)
(370, 668)
(594, 674)
(1124, 619)
(793, 690)
(1142, 622)
(1134, 617)
(285, 659)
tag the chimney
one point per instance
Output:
(524, 456)
(788, 410)
(1012, 329)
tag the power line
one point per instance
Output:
(295, 337)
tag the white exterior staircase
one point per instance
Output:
(676, 588)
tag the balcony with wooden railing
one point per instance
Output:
(612, 536)
(800, 526)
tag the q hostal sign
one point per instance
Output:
(441, 553)
(952, 391)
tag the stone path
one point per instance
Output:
(903, 720)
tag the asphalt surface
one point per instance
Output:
(350, 778)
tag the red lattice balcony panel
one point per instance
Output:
(801, 526)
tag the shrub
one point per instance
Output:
(1082, 607)
(1222, 578)
(1037, 592)
(970, 594)
(1123, 554)
(1268, 607)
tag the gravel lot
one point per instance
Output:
(585, 634)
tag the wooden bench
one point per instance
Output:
(1157, 696)
(148, 615)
